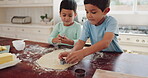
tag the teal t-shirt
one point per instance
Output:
(72, 32)
(96, 33)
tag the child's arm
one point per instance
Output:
(66, 40)
(53, 34)
(78, 55)
(57, 39)
(78, 46)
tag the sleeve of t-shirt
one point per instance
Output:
(85, 32)
(79, 30)
(54, 33)
(112, 26)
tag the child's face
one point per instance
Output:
(94, 14)
(67, 16)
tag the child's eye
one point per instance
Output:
(93, 12)
(70, 15)
(64, 15)
(86, 12)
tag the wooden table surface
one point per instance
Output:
(118, 62)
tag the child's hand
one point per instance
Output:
(57, 39)
(63, 54)
(75, 57)
(66, 40)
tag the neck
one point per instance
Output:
(101, 21)
(69, 24)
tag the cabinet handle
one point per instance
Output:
(8, 28)
(143, 40)
(137, 40)
(119, 39)
(22, 29)
(128, 38)
(39, 31)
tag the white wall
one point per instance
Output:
(134, 19)
(2, 15)
(56, 8)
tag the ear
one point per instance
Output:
(60, 13)
(106, 10)
(75, 14)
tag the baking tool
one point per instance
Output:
(80, 73)
(62, 61)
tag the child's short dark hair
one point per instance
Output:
(68, 4)
(101, 4)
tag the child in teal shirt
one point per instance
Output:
(100, 28)
(68, 31)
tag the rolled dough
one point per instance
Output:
(51, 60)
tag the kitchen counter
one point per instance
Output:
(27, 25)
(127, 63)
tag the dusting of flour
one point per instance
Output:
(50, 60)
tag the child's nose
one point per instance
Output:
(66, 18)
(89, 15)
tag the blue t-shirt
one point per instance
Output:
(96, 33)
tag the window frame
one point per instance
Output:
(133, 11)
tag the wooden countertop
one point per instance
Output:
(117, 62)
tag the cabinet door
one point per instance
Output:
(27, 1)
(12, 1)
(23, 36)
(39, 38)
(40, 31)
(1, 31)
(2, 1)
(43, 1)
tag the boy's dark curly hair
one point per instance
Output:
(68, 4)
(101, 4)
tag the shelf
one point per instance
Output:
(26, 25)
(27, 5)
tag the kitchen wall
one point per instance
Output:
(124, 18)
(2, 14)
(34, 12)
(131, 19)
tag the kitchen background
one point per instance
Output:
(132, 16)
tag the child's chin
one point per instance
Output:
(93, 23)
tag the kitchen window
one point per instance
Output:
(133, 6)
(142, 5)
(122, 6)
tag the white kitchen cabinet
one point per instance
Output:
(42, 1)
(9, 1)
(1, 31)
(12, 1)
(135, 39)
(26, 1)
(134, 43)
(7, 32)
(2, 1)
(35, 1)
(18, 3)
(10, 35)
(39, 33)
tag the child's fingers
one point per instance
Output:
(71, 58)
(63, 54)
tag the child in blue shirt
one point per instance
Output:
(68, 31)
(100, 28)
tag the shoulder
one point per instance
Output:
(78, 25)
(87, 24)
(110, 19)
(59, 23)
